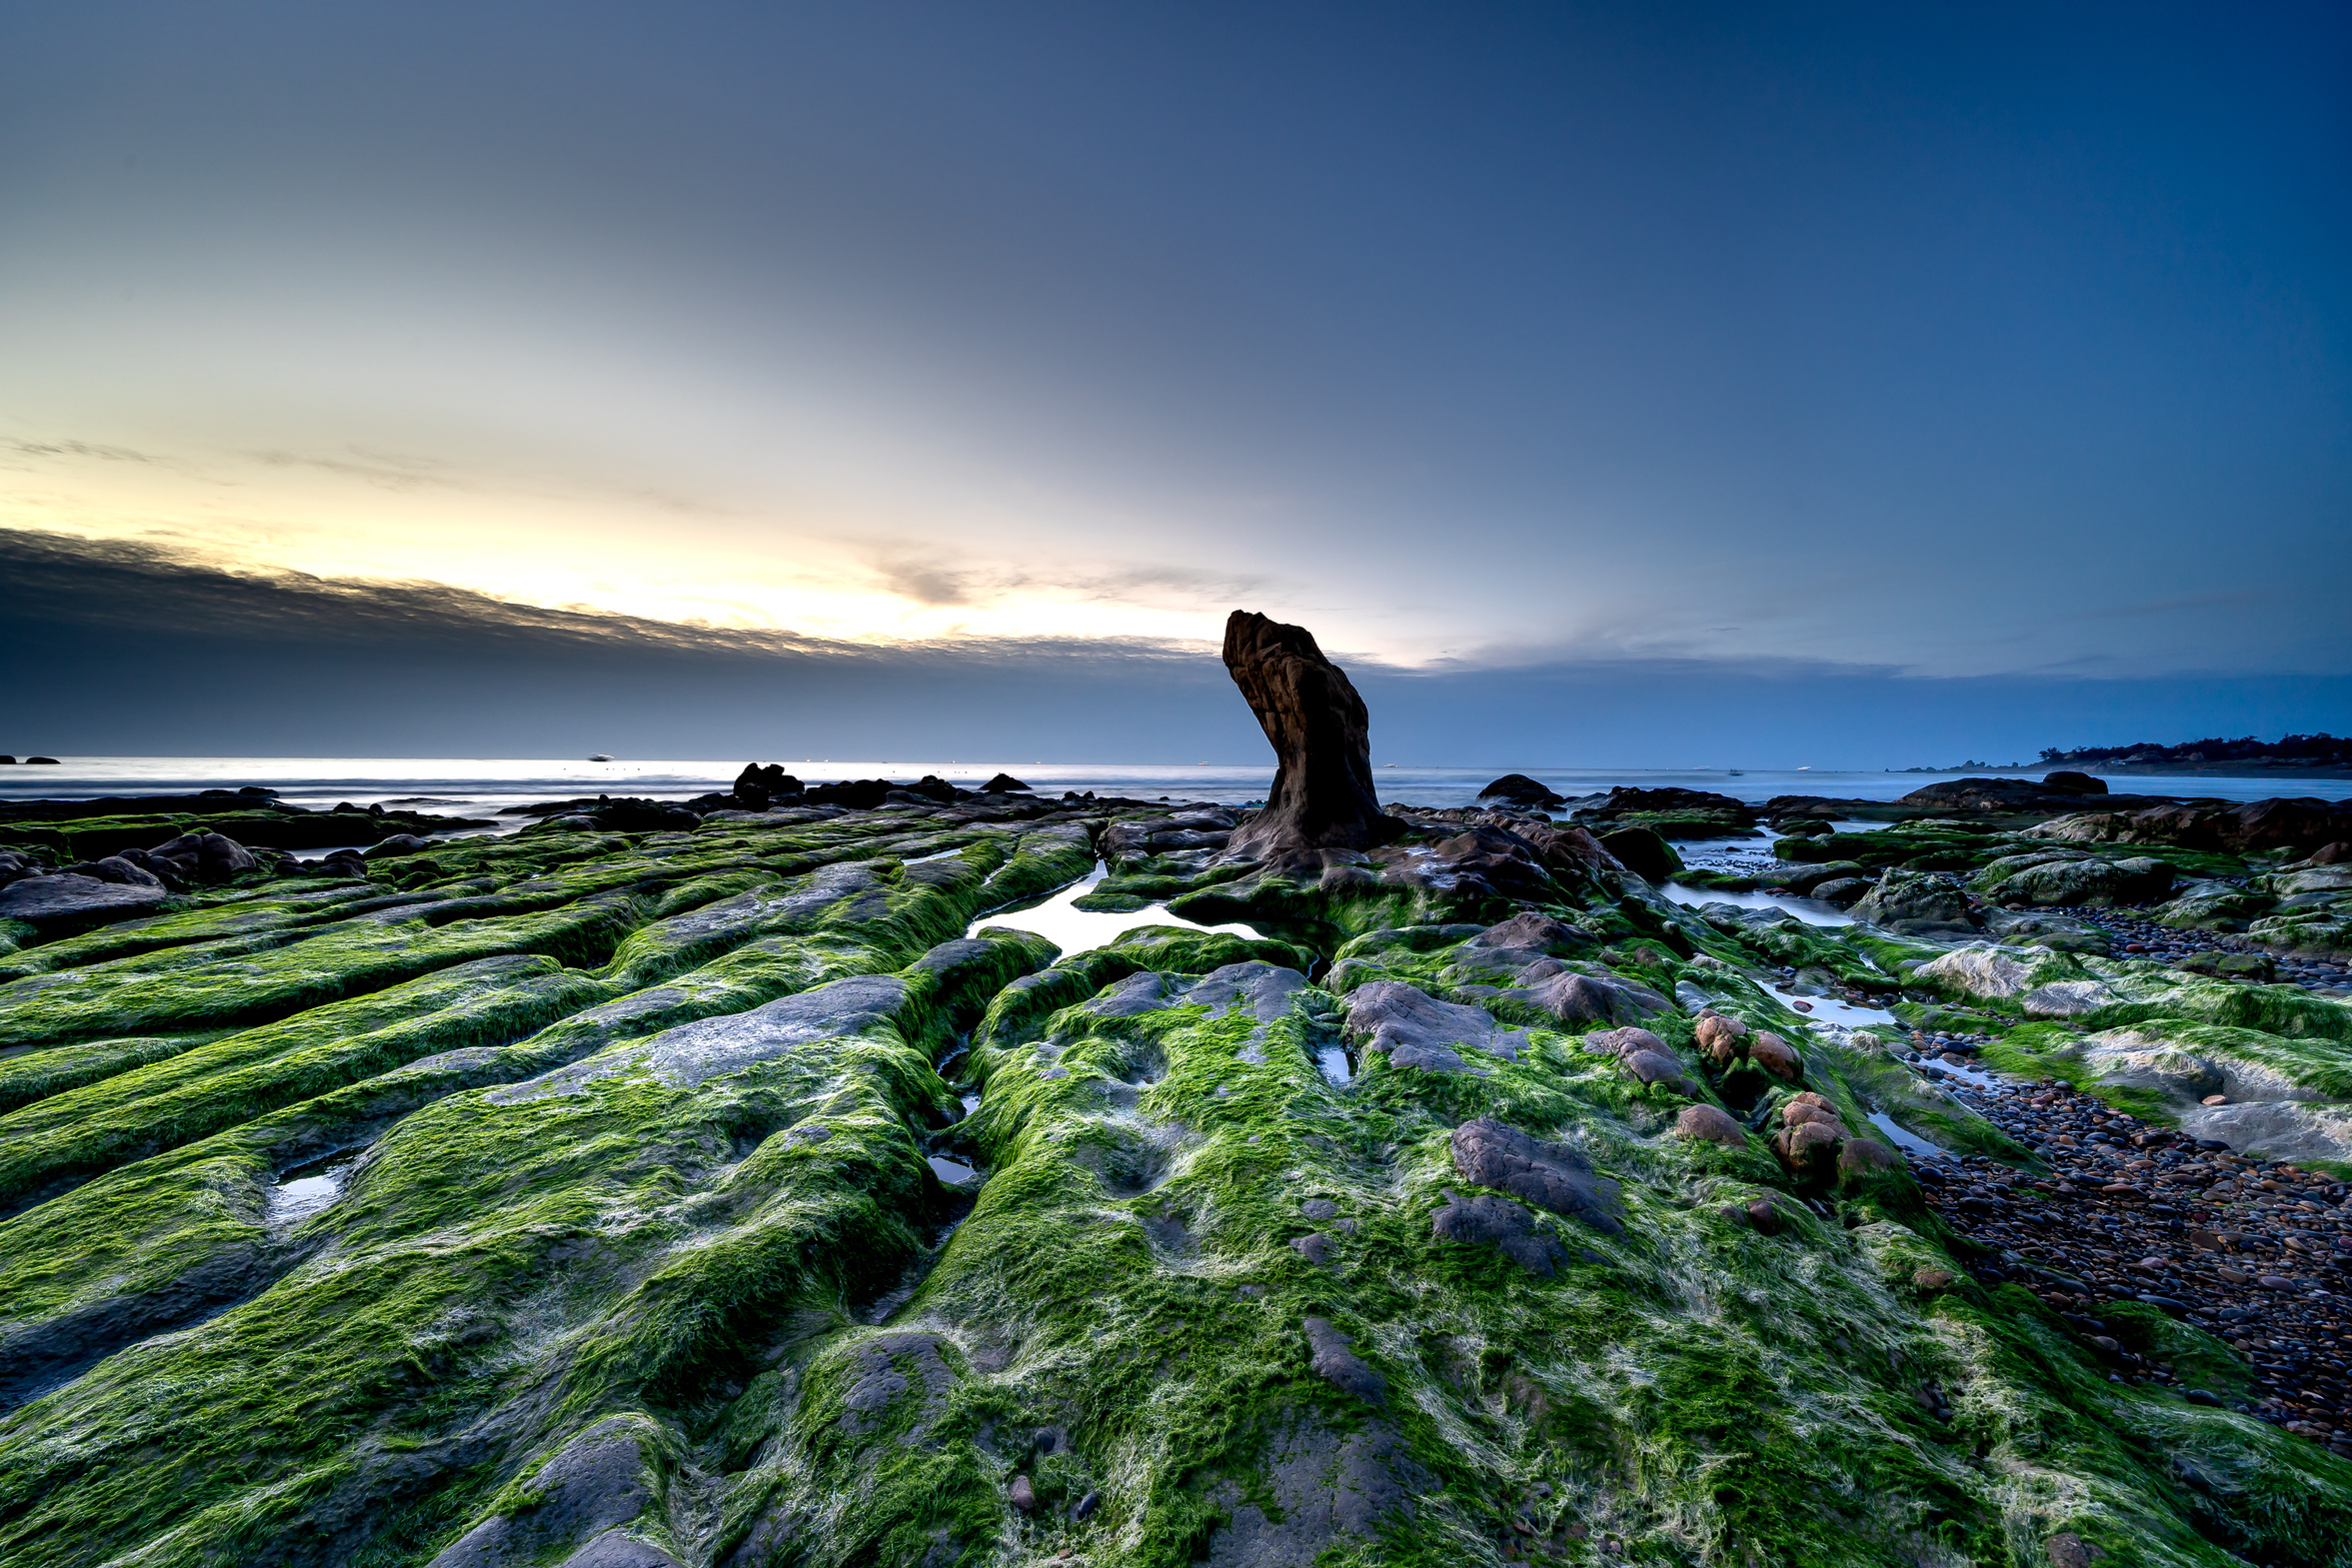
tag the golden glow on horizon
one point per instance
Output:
(380, 519)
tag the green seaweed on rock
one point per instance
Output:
(1361, 1240)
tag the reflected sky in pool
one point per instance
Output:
(1077, 930)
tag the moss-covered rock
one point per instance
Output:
(743, 1196)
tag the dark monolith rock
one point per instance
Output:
(1322, 795)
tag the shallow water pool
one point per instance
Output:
(1845, 1014)
(1077, 930)
(1909, 1141)
(297, 1198)
(1810, 910)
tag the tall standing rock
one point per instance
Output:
(1323, 792)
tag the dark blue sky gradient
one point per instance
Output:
(1844, 349)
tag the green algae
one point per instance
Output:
(673, 1183)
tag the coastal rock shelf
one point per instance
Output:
(741, 1195)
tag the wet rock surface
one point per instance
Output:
(2124, 1227)
(1321, 796)
(739, 1193)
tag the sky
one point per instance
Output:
(1833, 385)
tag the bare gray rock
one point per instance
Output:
(1338, 1364)
(1328, 1491)
(615, 1550)
(66, 901)
(1486, 1220)
(1538, 932)
(880, 1373)
(1414, 1030)
(594, 1483)
(1490, 1155)
(1264, 990)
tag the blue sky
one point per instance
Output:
(1895, 383)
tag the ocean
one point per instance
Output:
(468, 785)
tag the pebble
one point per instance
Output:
(2255, 1252)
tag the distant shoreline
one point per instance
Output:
(2242, 769)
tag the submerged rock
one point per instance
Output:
(1520, 789)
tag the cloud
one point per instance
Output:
(66, 580)
(81, 449)
(384, 469)
(930, 577)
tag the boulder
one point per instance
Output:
(1004, 783)
(1590, 998)
(1336, 1363)
(1520, 789)
(1414, 1030)
(759, 785)
(1642, 852)
(1858, 1159)
(1548, 1175)
(2054, 791)
(63, 901)
(2084, 882)
(1916, 902)
(1774, 1055)
(1666, 801)
(1723, 1039)
(398, 844)
(1803, 877)
(1486, 1220)
(1708, 1124)
(205, 857)
(1322, 796)
(115, 869)
(1844, 891)
(1809, 1150)
(1986, 972)
(1648, 1066)
(1535, 932)
(1623, 1042)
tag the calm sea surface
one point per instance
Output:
(475, 785)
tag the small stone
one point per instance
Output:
(1770, 1052)
(1315, 1247)
(1933, 1280)
(1710, 1125)
(2068, 1550)
(2214, 1100)
(2275, 1282)
(1338, 1364)
(1025, 1496)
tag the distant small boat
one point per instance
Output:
(599, 758)
(1735, 773)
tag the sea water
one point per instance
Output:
(466, 786)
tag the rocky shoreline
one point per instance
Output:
(736, 1183)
